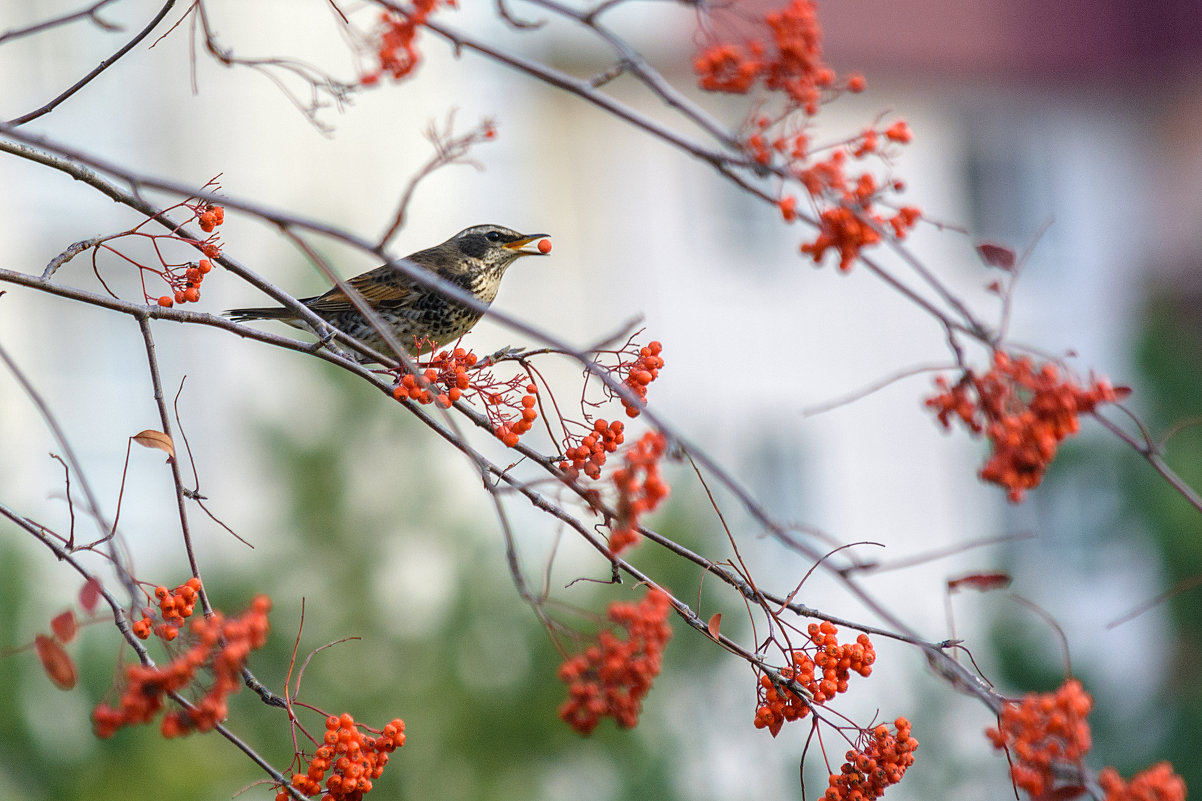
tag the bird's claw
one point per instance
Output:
(507, 352)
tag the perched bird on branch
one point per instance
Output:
(475, 259)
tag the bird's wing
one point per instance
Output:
(378, 287)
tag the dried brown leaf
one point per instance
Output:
(89, 594)
(155, 439)
(64, 626)
(58, 666)
(982, 582)
(996, 255)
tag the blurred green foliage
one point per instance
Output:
(365, 491)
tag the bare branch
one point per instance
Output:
(92, 13)
(101, 67)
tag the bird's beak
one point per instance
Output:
(519, 244)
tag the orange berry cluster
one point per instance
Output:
(209, 217)
(1157, 783)
(824, 675)
(612, 677)
(187, 288)
(352, 758)
(174, 605)
(637, 496)
(872, 769)
(869, 142)
(444, 379)
(641, 372)
(1043, 729)
(397, 54)
(791, 63)
(851, 224)
(508, 431)
(772, 136)
(845, 231)
(589, 456)
(1024, 411)
(220, 645)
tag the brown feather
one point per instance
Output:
(374, 286)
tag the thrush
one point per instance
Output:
(475, 259)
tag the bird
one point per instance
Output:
(420, 317)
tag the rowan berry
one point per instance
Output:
(637, 497)
(219, 644)
(611, 678)
(1042, 730)
(788, 208)
(899, 132)
(1025, 413)
(641, 372)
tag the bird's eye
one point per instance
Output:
(493, 236)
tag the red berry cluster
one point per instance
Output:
(845, 231)
(589, 456)
(209, 217)
(1157, 783)
(869, 142)
(851, 223)
(640, 487)
(449, 376)
(187, 288)
(444, 379)
(174, 605)
(641, 372)
(183, 278)
(1046, 730)
(1024, 411)
(823, 675)
(872, 769)
(508, 431)
(791, 62)
(777, 136)
(222, 646)
(612, 677)
(1041, 730)
(352, 758)
(395, 49)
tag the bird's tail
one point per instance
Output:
(260, 313)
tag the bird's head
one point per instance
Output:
(495, 245)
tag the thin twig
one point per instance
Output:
(86, 13)
(101, 67)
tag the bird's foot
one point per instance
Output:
(507, 352)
